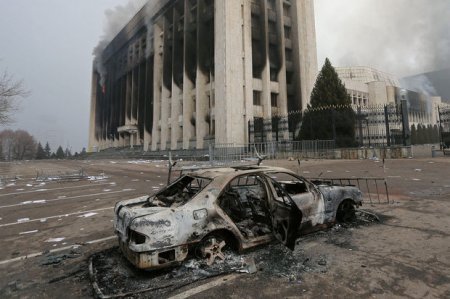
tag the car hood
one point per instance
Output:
(341, 192)
(163, 227)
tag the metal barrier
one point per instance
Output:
(374, 190)
(273, 150)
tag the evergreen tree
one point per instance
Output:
(59, 153)
(329, 114)
(67, 153)
(48, 151)
(40, 152)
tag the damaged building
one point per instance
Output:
(183, 74)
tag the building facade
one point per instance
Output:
(186, 73)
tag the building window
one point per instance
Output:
(287, 32)
(274, 99)
(257, 98)
(289, 55)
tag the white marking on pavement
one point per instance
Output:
(61, 188)
(54, 240)
(87, 215)
(24, 257)
(29, 232)
(66, 198)
(52, 217)
(206, 286)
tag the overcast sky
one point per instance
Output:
(49, 44)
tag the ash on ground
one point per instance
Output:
(114, 275)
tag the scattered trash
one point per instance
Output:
(57, 259)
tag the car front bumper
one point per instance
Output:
(156, 259)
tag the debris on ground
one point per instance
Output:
(52, 259)
(113, 276)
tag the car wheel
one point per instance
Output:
(346, 211)
(211, 248)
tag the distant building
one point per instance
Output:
(436, 83)
(370, 90)
(186, 73)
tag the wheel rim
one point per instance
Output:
(212, 250)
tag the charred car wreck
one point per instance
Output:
(204, 211)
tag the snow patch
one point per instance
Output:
(21, 220)
(54, 240)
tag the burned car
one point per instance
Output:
(204, 211)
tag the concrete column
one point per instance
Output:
(93, 142)
(177, 92)
(157, 86)
(282, 95)
(188, 85)
(303, 11)
(147, 134)
(201, 108)
(129, 106)
(266, 90)
(202, 101)
(248, 71)
(229, 72)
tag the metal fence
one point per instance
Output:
(373, 126)
(374, 190)
(444, 126)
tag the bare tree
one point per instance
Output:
(11, 91)
(25, 146)
(17, 145)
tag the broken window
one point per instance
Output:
(245, 202)
(289, 183)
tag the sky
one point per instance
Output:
(49, 44)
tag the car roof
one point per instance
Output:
(213, 173)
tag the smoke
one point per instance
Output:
(402, 37)
(115, 21)
(419, 83)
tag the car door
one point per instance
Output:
(285, 215)
(304, 194)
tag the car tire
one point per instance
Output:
(346, 212)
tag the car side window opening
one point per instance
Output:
(289, 183)
(245, 202)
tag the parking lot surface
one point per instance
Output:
(51, 223)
